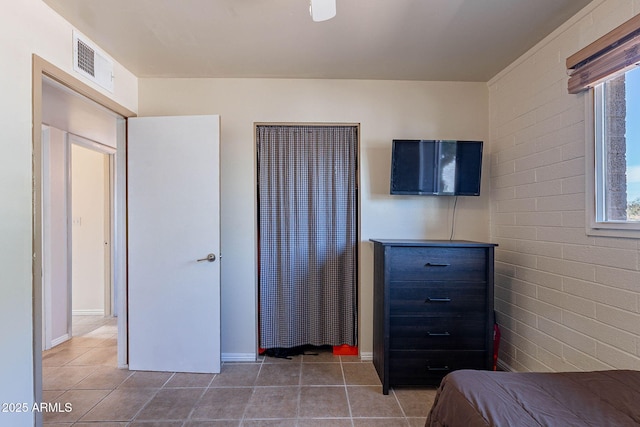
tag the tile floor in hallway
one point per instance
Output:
(322, 390)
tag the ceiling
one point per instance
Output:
(433, 40)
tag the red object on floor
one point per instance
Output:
(345, 350)
(496, 345)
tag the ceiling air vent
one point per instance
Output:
(92, 63)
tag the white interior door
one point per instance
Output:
(173, 224)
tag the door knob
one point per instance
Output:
(210, 258)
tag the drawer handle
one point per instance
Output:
(439, 334)
(435, 264)
(430, 299)
(438, 368)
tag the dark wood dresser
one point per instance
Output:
(433, 309)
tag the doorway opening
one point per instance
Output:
(307, 235)
(91, 231)
(77, 234)
(83, 99)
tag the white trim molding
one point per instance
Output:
(94, 312)
(239, 357)
(60, 340)
(366, 356)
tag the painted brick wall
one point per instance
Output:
(565, 300)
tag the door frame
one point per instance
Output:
(42, 68)
(109, 213)
(358, 219)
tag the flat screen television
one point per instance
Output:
(436, 167)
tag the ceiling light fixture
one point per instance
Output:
(322, 10)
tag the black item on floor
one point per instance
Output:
(288, 353)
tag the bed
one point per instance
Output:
(484, 398)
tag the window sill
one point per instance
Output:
(624, 230)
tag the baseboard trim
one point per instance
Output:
(95, 312)
(251, 357)
(504, 367)
(238, 357)
(366, 355)
(59, 340)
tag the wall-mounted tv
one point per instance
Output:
(436, 167)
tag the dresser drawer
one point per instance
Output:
(437, 333)
(437, 263)
(437, 298)
(428, 367)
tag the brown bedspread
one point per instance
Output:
(469, 398)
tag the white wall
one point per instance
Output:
(88, 197)
(55, 265)
(385, 110)
(77, 115)
(566, 300)
(26, 27)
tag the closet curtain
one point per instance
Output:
(307, 235)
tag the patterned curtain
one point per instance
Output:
(307, 235)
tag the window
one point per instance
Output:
(608, 69)
(617, 150)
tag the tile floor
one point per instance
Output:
(318, 391)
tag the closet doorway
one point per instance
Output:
(307, 235)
